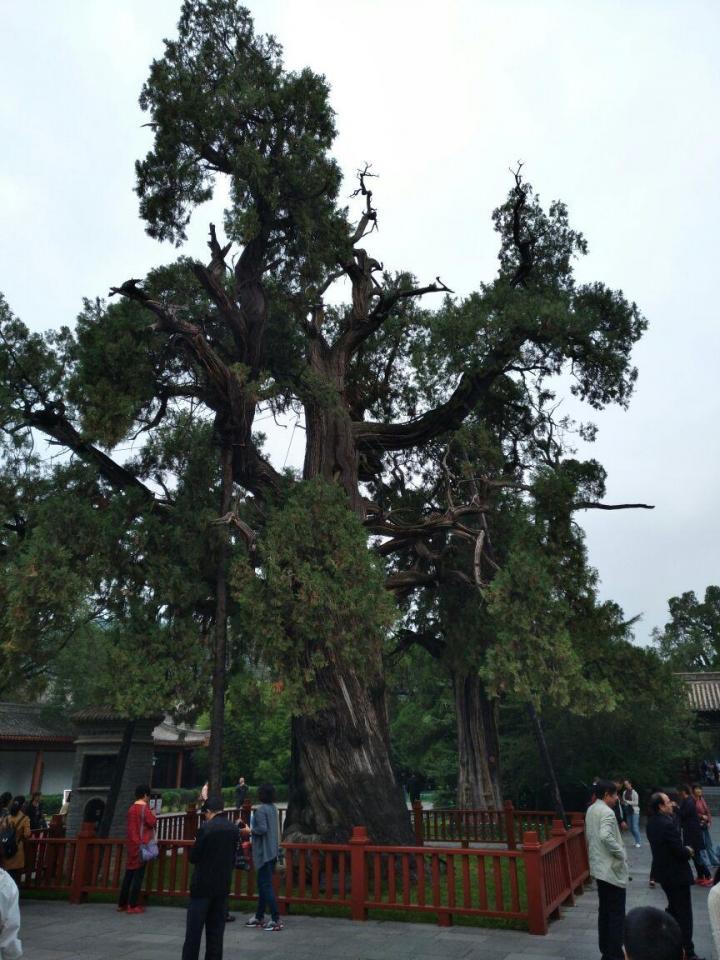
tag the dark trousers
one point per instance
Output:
(702, 871)
(130, 889)
(266, 893)
(611, 917)
(680, 907)
(210, 913)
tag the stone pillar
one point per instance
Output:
(37, 774)
(96, 749)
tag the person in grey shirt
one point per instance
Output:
(608, 866)
(265, 848)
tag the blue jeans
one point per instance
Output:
(266, 893)
(708, 854)
(633, 820)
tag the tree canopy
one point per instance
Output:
(690, 640)
(197, 538)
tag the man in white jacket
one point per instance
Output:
(608, 865)
(10, 946)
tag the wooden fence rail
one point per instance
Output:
(506, 825)
(528, 883)
(433, 825)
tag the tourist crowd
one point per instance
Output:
(678, 831)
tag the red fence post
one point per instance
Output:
(559, 830)
(417, 809)
(509, 814)
(578, 820)
(358, 874)
(190, 822)
(81, 863)
(535, 883)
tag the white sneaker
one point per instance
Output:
(637, 846)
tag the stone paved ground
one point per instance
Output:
(59, 931)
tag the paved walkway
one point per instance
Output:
(55, 930)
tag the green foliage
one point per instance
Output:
(221, 103)
(534, 655)
(645, 736)
(182, 364)
(645, 733)
(257, 730)
(320, 602)
(422, 726)
(52, 802)
(85, 557)
(690, 640)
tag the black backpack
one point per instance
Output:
(8, 840)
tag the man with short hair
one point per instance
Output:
(608, 865)
(652, 934)
(670, 866)
(214, 857)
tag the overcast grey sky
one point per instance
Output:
(613, 107)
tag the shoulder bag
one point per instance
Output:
(149, 850)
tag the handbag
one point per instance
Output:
(149, 850)
(243, 855)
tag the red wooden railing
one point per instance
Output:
(184, 826)
(528, 884)
(505, 826)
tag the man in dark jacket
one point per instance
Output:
(214, 857)
(670, 866)
(241, 792)
(692, 832)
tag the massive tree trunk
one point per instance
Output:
(341, 775)
(479, 786)
(341, 772)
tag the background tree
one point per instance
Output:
(218, 344)
(690, 640)
(645, 732)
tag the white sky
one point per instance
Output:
(613, 106)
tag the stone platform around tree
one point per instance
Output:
(53, 930)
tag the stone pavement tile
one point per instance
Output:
(483, 953)
(530, 956)
(540, 947)
(144, 939)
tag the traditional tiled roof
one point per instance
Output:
(703, 691)
(168, 732)
(35, 723)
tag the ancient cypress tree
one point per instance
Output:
(378, 381)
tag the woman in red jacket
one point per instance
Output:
(140, 828)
